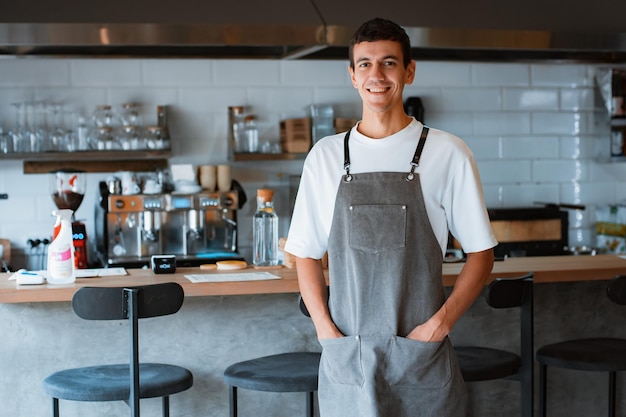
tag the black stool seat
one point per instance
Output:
(484, 364)
(285, 372)
(479, 363)
(112, 382)
(598, 354)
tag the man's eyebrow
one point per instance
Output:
(386, 57)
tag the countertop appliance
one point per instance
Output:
(197, 228)
(530, 231)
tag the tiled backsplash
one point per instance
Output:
(536, 129)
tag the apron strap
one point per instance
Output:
(418, 153)
(414, 163)
(346, 157)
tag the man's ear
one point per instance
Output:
(410, 73)
(351, 71)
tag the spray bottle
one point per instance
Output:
(61, 250)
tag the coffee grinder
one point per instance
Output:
(68, 189)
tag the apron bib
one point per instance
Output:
(385, 279)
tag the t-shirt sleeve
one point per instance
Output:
(468, 218)
(307, 237)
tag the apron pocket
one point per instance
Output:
(413, 363)
(377, 227)
(341, 360)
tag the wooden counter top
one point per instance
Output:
(546, 269)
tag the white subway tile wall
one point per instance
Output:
(537, 130)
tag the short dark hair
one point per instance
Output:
(379, 29)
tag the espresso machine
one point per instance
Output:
(197, 228)
(202, 227)
(129, 229)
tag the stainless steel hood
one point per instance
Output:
(312, 29)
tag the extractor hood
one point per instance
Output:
(313, 29)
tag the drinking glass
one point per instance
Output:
(6, 143)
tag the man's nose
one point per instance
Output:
(377, 72)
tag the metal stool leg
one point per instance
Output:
(233, 400)
(310, 409)
(612, 383)
(543, 379)
(55, 407)
(166, 406)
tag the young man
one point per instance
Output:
(381, 200)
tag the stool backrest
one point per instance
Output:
(510, 292)
(616, 291)
(517, 292)
(103, 303)
(303, 309)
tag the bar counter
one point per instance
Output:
(226, 322)
(545, 268)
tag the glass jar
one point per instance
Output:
(251, 134)
(157, 138)
(130, 115)
(103, 116)
(130, 139)
(103, 139)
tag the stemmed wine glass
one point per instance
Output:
(17, 132)
(35, 135)
(58, 138)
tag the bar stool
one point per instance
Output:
(601, 354)
(484, 363)
(122, 382)
(284, 372)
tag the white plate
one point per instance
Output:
(188, 188)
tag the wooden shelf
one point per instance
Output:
(269, 156)
(92, 161)
(88, 155)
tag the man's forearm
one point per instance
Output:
(468, 286)
(314, 292)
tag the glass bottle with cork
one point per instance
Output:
(265, 230)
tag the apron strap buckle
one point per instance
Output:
(346, 167)
(411, 175)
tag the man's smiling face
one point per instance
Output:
(379, 74)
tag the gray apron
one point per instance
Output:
(385, 279)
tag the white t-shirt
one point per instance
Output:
(447, 171)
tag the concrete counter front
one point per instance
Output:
(222, 323)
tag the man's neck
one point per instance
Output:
(381, 125)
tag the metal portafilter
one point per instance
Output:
(151, 224)
(195, 223)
